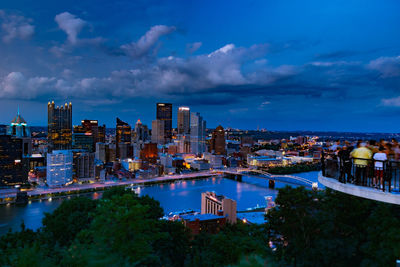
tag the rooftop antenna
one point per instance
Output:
(18, 111)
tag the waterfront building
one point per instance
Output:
(59, 121)
(59, 167)
(83, 166)
(215, 161)
(201, 165)
(218, 143)
(83, 141)
(197, 133)
(263, 161)
(158, 132)
(164, 113)
(13, 169)
(123, 136)
(183, 120)
(212, 203)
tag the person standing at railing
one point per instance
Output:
(345, 165)
(361, 155)
(380, 159)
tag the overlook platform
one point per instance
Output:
(367, 178)
(360, 191)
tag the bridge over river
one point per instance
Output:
(237, 173)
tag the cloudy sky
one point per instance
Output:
(279, 65)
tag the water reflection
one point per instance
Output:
(173, 197)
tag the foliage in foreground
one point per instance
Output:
(308, 228)
(122, 229)
(329, 228)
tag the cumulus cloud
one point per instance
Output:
(15, 84)
(223, 50)
(387, 66)
(71, 25)
(15, 27)
(147, 42)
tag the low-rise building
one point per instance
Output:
(212, 203)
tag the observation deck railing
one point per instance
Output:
(362, 172)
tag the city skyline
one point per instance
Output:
(307, 66)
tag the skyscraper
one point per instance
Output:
(123, 137)
(59, 122)
(164, 113)
(218, 144)
(19, 129)
(197, 133)
(92, 127)
(183, 120)
(158, 132)
(12, 168)
(59, 167)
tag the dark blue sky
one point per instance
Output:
(279, 65)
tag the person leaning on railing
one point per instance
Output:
(361, 155)
(380, 158)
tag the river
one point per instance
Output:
(176, 196)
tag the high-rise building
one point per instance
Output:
(158, 132)
(184, 120)
(141, 132)
(83, 166)
(218, 143)
(19, 129)
(123, 136)
(59, 167)
(83, 141)
(13, 169)
(59, 121)
(164, 113)
(212, 203)
(197, 133)
(92, 127)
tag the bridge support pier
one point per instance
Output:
(271, 184)
(238, 177)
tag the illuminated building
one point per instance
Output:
(19, 129)
(59, 167)
(13, 169)
(83, 166)
(197, 133)
(212, 203)
(59, 121)
(164, 113)
(123, 138)
(149, 152)
(131, 164)
(158, 132)
(184, 120)
(83, 141)
(218, 143)
(91, 127)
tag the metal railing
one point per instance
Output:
(363, 172)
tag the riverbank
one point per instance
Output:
(40, 194)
